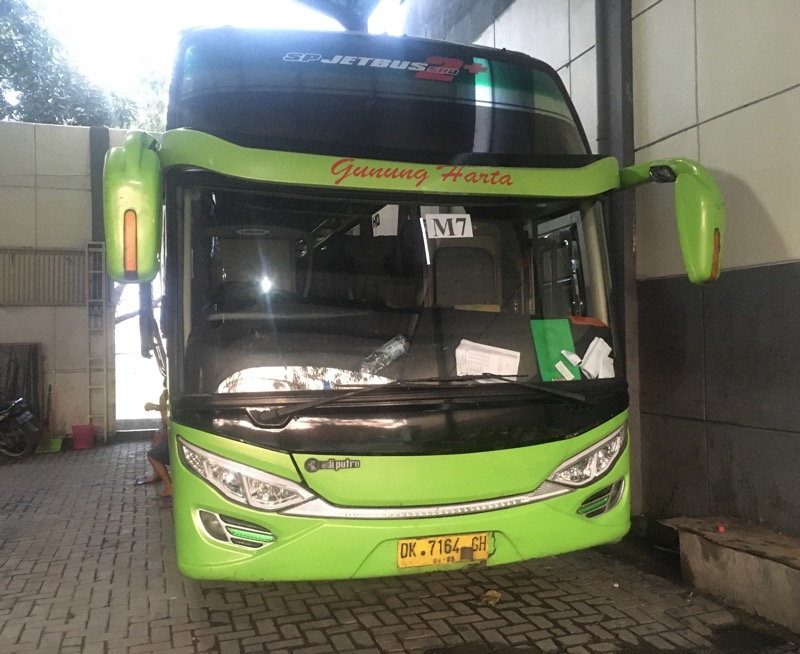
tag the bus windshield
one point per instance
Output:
(372, 96)
(288, 293)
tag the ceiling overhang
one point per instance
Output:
(352, 14)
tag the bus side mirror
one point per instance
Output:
(699, 211)
(132, 209)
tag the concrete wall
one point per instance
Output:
(45, 202)
(720, 416)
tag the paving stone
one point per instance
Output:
(604, 647)
(660, 643)
(341, 642)
(87, 564)
(548, 646)
(577, 650)
(627, 637)
(575, 639)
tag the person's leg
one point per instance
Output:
(159, 437)
(159, 459)
(163, 474)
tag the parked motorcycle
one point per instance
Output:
(19, 435)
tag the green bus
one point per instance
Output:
(389, 341)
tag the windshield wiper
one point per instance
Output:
(538, 386)
(280, 417)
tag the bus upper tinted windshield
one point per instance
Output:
(383, 97)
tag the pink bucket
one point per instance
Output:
(82, 437)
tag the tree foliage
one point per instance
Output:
(152, 93)
(37, 83)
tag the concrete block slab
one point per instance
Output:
(745, 565)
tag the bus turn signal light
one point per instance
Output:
(130, 254)
(715, 261)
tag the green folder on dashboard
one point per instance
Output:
(549, 338)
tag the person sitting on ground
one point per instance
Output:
(158, 455)
(159, 437)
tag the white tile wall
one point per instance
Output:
(745, 54)
(754, 154)
(658, 252)
(17, 162)
(584, 93)
(32, 325)
(45, 196)
(71, 340)
(17, 216)
(63, 218)
(487, 38)
(638, 6)
(29, 325)
(62, 152)
(116, 137)
(70, 400)
(539, 28)
(62, 334)
(581, 27)
(45, 202)
(663, 71)
(733, 84)
(565, 74)
(17, 181)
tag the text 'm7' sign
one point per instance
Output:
(448, 225)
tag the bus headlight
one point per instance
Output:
(241, 483)
(590, 465)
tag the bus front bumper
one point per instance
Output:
(220, 539)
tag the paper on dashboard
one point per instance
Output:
(477, 358)
(597, 364)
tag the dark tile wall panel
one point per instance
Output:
(674, 467)
(720, 379)
(752, 474)
(671, 347)
(753, 348)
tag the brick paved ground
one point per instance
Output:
(87, 565)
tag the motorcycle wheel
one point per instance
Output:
(19, 441)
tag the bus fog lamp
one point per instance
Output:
(241, 483)
(213, 525)
(234, 531)
(588, 466)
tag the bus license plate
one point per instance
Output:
(438, 550)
